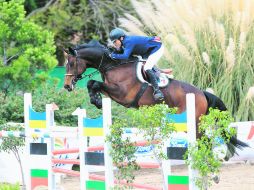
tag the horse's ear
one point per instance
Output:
(65, 50)
(72, 51)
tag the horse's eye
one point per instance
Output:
(71, 64)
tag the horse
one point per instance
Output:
(121, 84)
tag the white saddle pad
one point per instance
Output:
(162, 80)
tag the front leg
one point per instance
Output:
(94, 89)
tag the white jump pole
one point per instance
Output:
(107, 122)
(27, 104)
(50, 123)
(191, 130)
(82, 148)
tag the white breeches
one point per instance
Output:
(154, 58)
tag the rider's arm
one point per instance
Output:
(126, 53)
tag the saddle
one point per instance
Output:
(163, 75)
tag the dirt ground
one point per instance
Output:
(232, 177)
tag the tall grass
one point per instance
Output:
(209, 43)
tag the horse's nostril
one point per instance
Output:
(68, 87)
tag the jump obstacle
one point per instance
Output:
(40, 125)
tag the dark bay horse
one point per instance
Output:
(121, 84)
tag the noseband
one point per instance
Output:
(76, 75)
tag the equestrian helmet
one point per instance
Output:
(116, 33)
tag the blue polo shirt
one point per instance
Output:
(138, 45)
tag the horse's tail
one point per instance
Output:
(232, 145)
(215, 102)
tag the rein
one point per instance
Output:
(80, 77)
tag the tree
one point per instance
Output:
(25, 49)
(13, 145)
(78, 21)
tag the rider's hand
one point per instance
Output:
(111, 56)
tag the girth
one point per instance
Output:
(141, 91)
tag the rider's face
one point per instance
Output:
(117, 44)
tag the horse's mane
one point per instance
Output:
(91, 44)
(96, 44)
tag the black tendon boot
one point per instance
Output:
(157, 93)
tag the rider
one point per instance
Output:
(150, 47)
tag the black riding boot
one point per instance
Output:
(157, 93)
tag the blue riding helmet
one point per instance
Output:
(116, 33)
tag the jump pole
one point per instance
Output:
(191, 131)
(107, 122)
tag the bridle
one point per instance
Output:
(77, 76)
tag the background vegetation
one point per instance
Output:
(77, 21)
(25, 49)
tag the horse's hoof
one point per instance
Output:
(98, 105)
(93, 101)
(98, 102)
(97, 96)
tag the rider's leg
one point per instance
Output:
(153, 80)
(151, 61)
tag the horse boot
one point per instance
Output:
(157, 93)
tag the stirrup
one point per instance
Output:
(158, 95)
